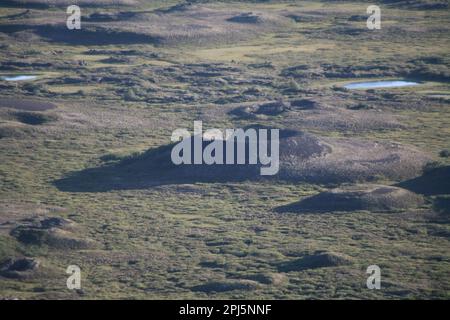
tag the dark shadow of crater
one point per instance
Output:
(155, 168)
(432, 182)
(152, 168)
(91, 35)
(320, 203)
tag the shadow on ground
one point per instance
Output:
(152, 168)
(432, 182)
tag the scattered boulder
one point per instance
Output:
(19, 268)
(370, 197)
(316, 260)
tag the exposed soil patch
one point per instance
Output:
(357, 197)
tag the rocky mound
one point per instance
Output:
(351, 160)
(54, 232)
(293, 145)
(369, 197)
(316, 260)
(19, 268)
(302, 157)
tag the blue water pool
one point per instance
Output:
(18, 78)
(380, 84)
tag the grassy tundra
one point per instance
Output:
(85, 172)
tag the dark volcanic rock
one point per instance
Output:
(302, 157)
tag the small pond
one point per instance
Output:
(18, 77)
(380, 84)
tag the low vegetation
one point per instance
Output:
(86, 177)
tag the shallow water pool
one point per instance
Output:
(380, 84)
(18, 78)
